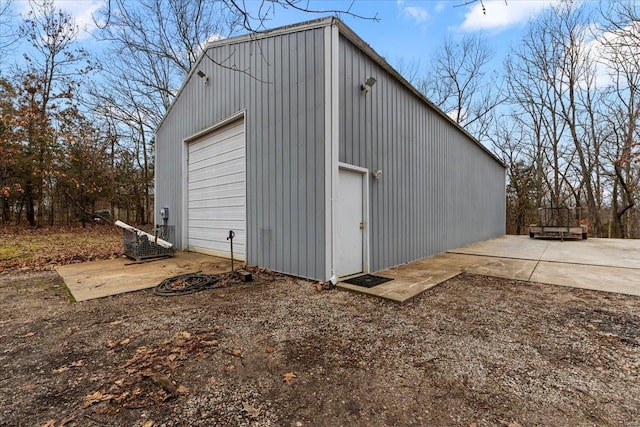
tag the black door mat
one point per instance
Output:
(367, 280)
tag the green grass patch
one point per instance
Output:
(13, 252)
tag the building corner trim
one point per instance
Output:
(332, 135)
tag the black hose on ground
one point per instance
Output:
(185, 284)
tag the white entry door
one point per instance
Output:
(350, 223)
(216, 192)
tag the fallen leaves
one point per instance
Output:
(236, 353)
(164, 382)
(269, 349)
(288, 377)
(43, 248)
(76, 364)
(113, 343)
(150, 375)
(251, 410)
(96, 397)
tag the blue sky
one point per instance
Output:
(407, 31)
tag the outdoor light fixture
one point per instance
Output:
(202, 75)
(366, 87)
(377, 174)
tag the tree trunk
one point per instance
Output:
(6, 210)
(31, 215)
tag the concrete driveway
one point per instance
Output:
(609, 265)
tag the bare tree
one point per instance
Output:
(154, 44)
(409, 69)
(574, 87)
(257, 18)
(552, 80)
(8, 36)
(524, 183)
(621, 57)
(457, 83)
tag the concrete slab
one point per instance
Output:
(96, 279)
(508, 268)
(623, 253)
(610, 265)
(594, 277)
(411, 279)
(521, 247)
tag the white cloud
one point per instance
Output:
(605, 57)
(81, 11)
(215, 37)
(416, 13)
(440, 6)
(500, 15)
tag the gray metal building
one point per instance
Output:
(278, 137)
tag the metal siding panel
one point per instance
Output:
(319, 224)
(439, 190)
(293, 154)
(310, 160)
(286, 148)
(301, 201)
(271, 178)
(282, 90)
(278, 108)
(344, 102)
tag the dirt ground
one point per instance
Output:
(473, 351)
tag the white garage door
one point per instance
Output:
(216, 185)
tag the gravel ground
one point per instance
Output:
(473, 351)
